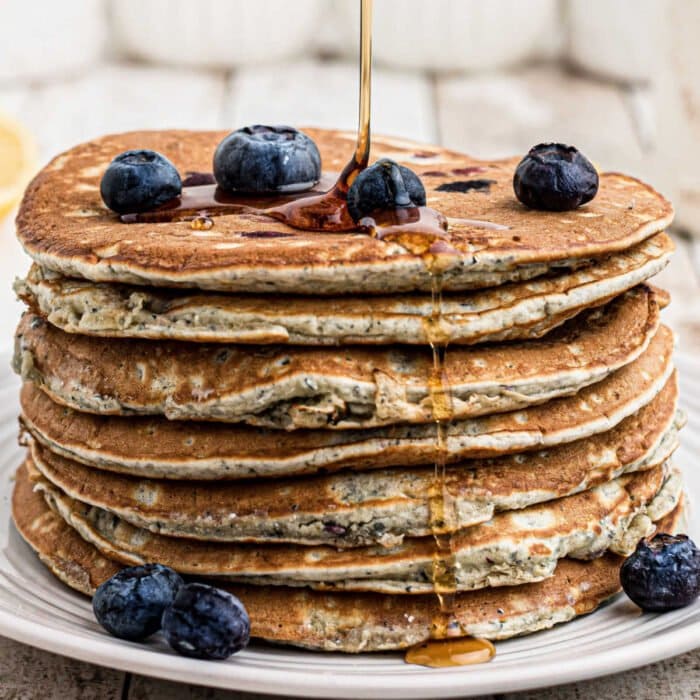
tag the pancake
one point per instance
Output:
(512, 548)
(72, 559)
(514, 311)
(156, 447)
(376, 507)
(64, 226)
(347, 622)
(291, 388)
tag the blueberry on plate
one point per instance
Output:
(130, 605)
(663, 573)
(555, 177)
(206, 623)
(270, 159)
(137, 181)
(383, 186)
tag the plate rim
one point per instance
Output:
(339, 685)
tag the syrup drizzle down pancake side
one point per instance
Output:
(423, 231)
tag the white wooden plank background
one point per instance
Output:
(402, 101)
(118, 97)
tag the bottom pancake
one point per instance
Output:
(348, 622)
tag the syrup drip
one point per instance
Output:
(451, 652)
(201, 223)
(423, 231)
(443, 520)
(448, 645)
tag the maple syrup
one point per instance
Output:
(442, 512)
(418, 229)
(441, 653)
(201, 222)
(210, 200)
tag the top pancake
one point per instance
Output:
(64, 226)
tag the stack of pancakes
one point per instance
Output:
(252, 403)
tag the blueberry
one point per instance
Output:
(137, 181)
(262, 158)
(206, 623)
(131, 603)
(555, 177)
(384, 185)
(662, 574)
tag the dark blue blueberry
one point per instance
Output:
(383, 186)
(206, 623)
(130, 605)
(555, 177)
(262, 158)
(137, 181)
(662, 574)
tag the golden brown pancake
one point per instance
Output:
(508, 312)
(157, 447)
(512, 548)
(353, 509)
(356, 387)
(348, 622)
(64, 226)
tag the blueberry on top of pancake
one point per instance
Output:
(261, 158)
(555, 177)
(384, 186)
(139, 180)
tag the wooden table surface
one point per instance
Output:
(121, 97)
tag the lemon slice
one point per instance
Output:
(17, 162)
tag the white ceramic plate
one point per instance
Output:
(35, 608)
